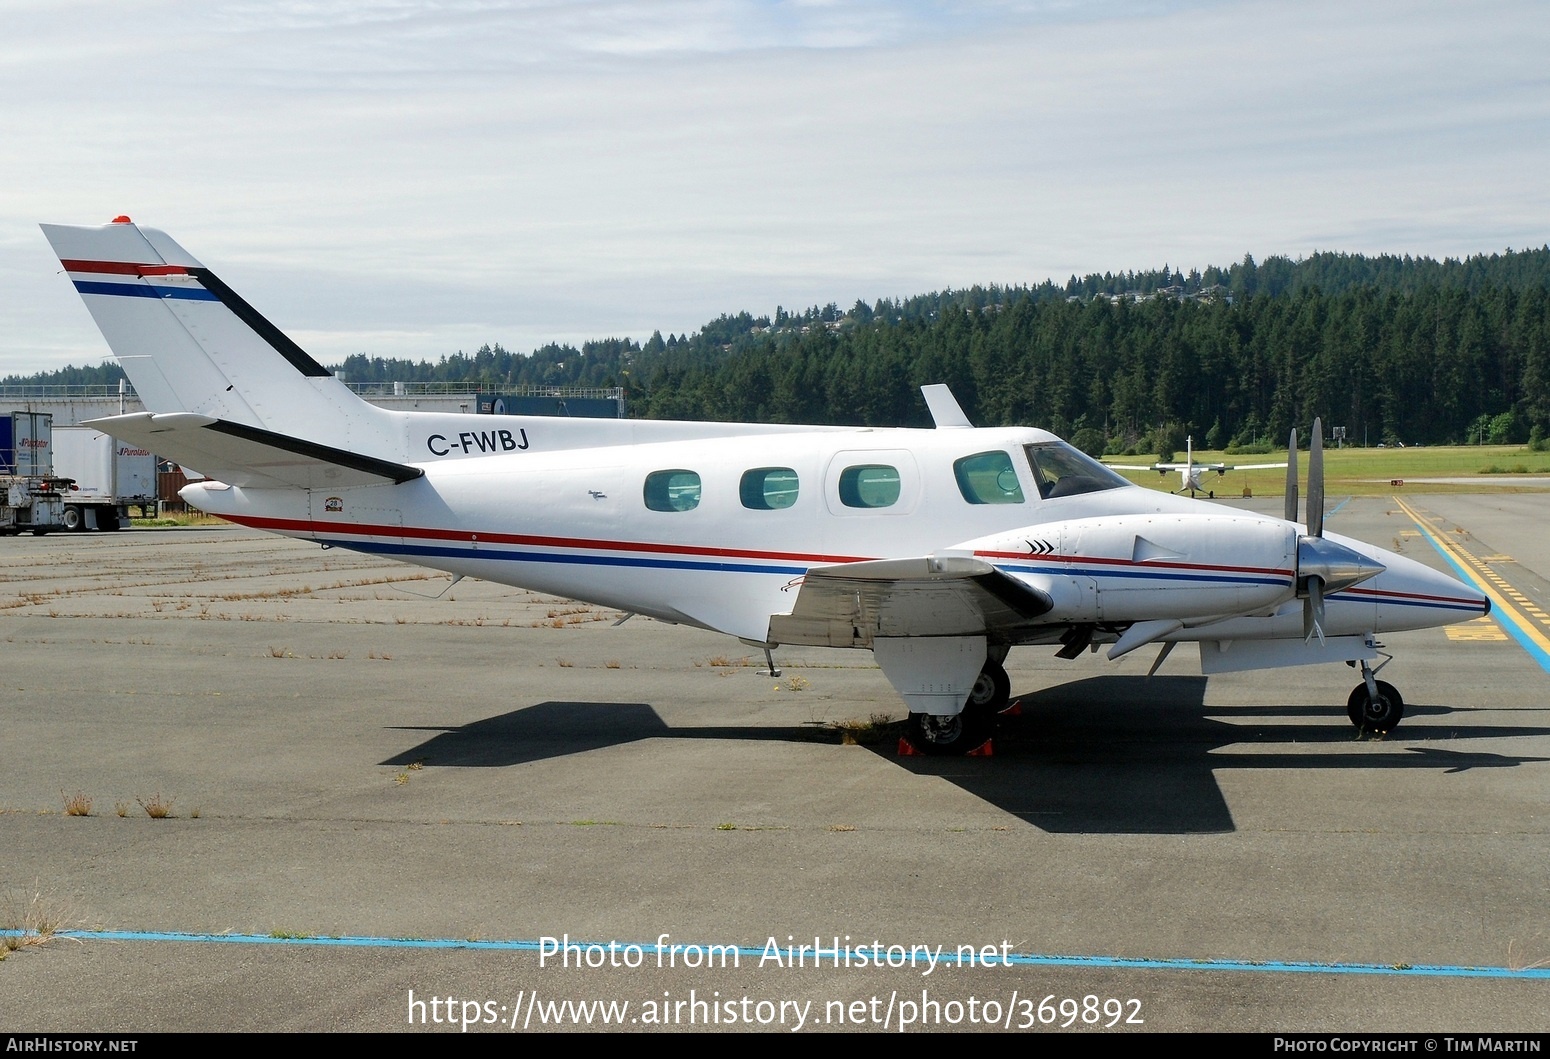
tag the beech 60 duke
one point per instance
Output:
(938, 550)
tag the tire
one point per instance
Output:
(1378, 715)
(73, 520)
(992, 689)
(948, 736)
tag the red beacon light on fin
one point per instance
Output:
(121, 219)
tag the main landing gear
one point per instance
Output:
(1374, 706)
(968, 730)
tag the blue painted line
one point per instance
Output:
(1503, 616)
(840, 958)
(144, 290)
(1336, 509)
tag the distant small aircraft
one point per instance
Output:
(1190, 471)
(937, 550)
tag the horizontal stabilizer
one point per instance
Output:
(851, 603)
(250, 457)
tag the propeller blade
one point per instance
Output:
(1316, 480)
(1313, 610)
(1291, 478)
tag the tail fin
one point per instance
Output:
(189, 343)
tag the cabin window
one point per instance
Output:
(768, 488)
(988, 478)
(676, 490)
(1061, 470)
(869, 485)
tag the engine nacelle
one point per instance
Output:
(1133, 568)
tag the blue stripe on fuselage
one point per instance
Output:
(449, 552)
(1397, 601)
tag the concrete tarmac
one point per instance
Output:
(380, 803)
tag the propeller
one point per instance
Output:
(1291, 478)
(1322, 565)
(1316, 480)
(1313, 610)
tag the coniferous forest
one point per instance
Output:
(1391, 348)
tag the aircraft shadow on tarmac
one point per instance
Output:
(1113, 754)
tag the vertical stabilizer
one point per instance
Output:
(189, 343)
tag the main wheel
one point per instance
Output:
(969, 729)
(1379, 714)
(992, 689)
(944, 736)
(72, 518)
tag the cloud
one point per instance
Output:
(413, 178)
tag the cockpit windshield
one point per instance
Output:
(1061, 470)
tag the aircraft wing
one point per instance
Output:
(1161, 468)
(926, 596)
(1218, 468)
(248, 456)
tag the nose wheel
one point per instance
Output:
(968, 729)
(1375, 710)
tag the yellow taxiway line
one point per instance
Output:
(1511, 608)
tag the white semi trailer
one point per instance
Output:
(30, 491)
(108, 477)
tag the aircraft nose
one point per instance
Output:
(1411, 595)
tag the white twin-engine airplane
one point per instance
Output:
(938, 550)
(1190, 471)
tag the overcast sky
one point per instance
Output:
(415, 177)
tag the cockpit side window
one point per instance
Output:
(988, 478)
(1061, 470)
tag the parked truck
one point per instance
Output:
(31, 495)
(108, 477)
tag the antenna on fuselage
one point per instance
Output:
(411, 592)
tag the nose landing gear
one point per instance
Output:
(1375, 705)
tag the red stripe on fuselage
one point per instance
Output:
(1425, 597)
(289, 525)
